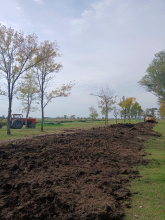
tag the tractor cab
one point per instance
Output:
(15, 116)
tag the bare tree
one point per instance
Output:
(106, 100)
(46, 72)
(116, 112)
(16, 49)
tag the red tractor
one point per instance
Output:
(17, 121)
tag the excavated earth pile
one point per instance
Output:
(76, 175)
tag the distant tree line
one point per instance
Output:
(126, 108)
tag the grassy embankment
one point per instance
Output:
(50, 128)
(149, 203)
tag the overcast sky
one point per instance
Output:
(102, 42)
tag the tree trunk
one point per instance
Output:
(107, 117)
(42, 105)
(9, 109)
(26, 120)
(129, 113)
(8, 118)
(27, 111)
(42, 115)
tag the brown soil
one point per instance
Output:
(75, 175)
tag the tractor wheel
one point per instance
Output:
(17, 124)
(33, 125)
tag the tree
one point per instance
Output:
(27, 92)
(106, 101)
(162, 108)
(154, 80)
(16, 49)
(136, 110)
(123, 112)
(127, 104)
(116, 112)
(93, 113)
(45, 71)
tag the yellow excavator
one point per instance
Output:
(150, 117)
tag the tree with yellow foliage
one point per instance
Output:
(45, 72)
(127, 104)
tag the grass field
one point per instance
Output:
(50, 128)
(149, 203)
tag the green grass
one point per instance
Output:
(151, 186)
(51, 128)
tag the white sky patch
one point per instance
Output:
(15, 25)
(4, 23)
(39, 1)
(48, 31)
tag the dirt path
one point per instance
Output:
(75, 175)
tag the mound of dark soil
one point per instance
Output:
(75, 175)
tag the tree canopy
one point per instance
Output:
(154, 80)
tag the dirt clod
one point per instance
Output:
(76, 175)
